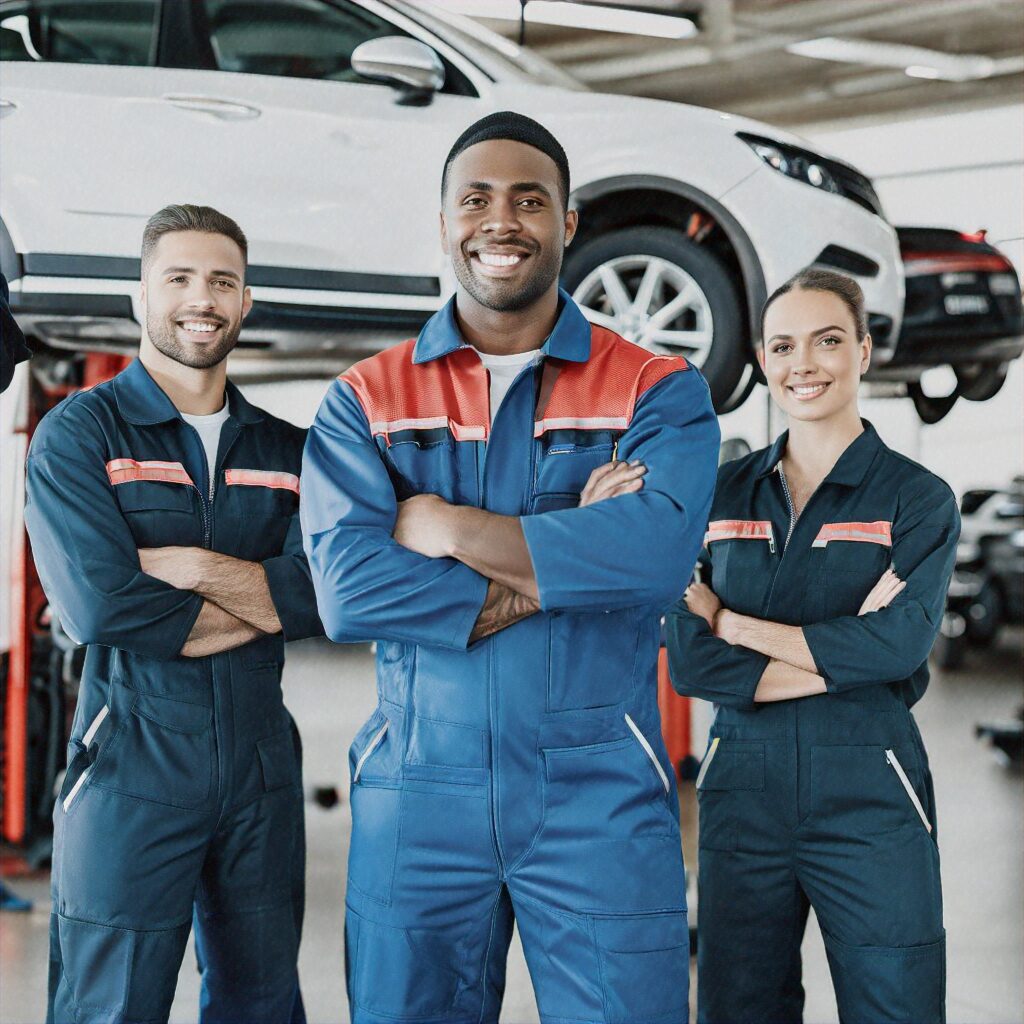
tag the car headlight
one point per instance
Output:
(793, 162)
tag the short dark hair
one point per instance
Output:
(813, 280)
(507, 124)
(186, 217)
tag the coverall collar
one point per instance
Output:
(143, 402)
(568, 340)
(849, 469)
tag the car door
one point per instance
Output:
(268, 123)
(337, 172)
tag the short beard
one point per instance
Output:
(163, 334)
(507, 296)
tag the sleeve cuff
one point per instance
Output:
(476, 590)
(815, 642)
(190, 612)
(291, 591)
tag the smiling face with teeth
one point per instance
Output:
(812, 358)
(505, 227)
(194, 298)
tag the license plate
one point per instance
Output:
(964, 305)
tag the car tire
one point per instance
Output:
(981, 386)
(948, 651)
(709, 326)
(984, 615)
(929, 409)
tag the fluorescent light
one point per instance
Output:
(577, 15)
(923, 71)
(916, 61)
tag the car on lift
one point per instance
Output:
(321, 127)
(963, 309)
(987, 589)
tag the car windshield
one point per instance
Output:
(494, 54)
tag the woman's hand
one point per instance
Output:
(703, 601)
(887, 587)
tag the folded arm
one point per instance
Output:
(599, 557)
(84, 550)
(368, 586)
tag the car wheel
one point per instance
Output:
(666, 294)
(981, 386)
(929, 409)
(951, 643)
(984, 615)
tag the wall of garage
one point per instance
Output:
(957, 170)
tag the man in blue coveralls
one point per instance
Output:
(514, 768)
(163, 513)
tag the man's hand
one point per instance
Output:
(882, 593)
(703, 601)
(178, 566)
(611, 480)
(425, 524)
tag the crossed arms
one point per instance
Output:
(739, 661)
(791, 671)
(435, 574)
(161, 603)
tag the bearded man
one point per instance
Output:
(163, 513)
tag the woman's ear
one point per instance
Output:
(865, 354)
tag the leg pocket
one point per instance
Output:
(114, 973)
(889, 984)
(645, 967)
(376, 812)
(404, 973)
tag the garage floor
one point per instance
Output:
(330, 692)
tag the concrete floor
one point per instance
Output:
(330, 692)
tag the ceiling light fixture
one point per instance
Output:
(916, 61)
(594, 17)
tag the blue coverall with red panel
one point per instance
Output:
(522, 777)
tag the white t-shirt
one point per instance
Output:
(209, 428)
(503, 371)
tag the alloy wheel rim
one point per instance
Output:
(650, 301)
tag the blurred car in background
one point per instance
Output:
(963, 309)
(987, 589)
(321, 127)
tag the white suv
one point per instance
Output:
(321, 127)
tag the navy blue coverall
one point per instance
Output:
(825, 801)
(523, 777)
(183, 790)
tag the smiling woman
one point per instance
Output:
(825, 570)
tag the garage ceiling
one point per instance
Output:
(754, 57)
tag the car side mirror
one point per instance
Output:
(403, 63)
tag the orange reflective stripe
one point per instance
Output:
(261, 478)
(124, 471)
(879, 532)
(738, 529)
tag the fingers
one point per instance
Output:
(612, 480)
(883, 592)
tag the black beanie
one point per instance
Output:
(507, 124)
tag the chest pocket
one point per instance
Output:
(423, 461)
(565, 460)
(743, 562)
(158, 501)
(254, 511)
(847, 560)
